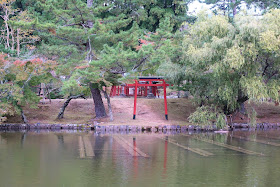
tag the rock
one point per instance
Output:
(214, 127)
(191, 127)
(122, 128)
(149, 129)
(97, 128)
(133, 128)
(103, 128)
(197, 128)
(184, 128)
(116, 128)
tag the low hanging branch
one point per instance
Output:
(62, 109)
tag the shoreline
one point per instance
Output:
(137, 128)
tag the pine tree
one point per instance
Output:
(231, 7)
(228, 7)
(97, 41)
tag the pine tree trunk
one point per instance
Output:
(234, 11)
(98, 103)
(109, 104)
(90, 25)
(95, 92)
(18, 44)
(89, 5)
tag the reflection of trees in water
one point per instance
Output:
(100, 164)
(5, 136)
(13, 137)
(60, 139)
(271, 134)
(2, 140)
(1, 137)
(99, 145)
(259, 171)
(23, 137)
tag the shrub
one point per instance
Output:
(206, 115)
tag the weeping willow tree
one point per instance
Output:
(226, 64)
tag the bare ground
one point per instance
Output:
(149, 112)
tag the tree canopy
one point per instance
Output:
(226, 64)
(223, 60)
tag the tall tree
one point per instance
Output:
(264, 4)
(227, 64)
(95, 41)
(231, 7)
(6, 12)
(228, 7)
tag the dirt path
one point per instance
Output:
(145, 114)
(80, 111)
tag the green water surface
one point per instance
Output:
(33, 159)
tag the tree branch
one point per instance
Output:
(267, 65)
(62, 109)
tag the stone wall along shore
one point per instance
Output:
(134, 128)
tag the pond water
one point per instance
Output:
(68, 158)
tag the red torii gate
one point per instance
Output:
(138, 86)
(125, 90)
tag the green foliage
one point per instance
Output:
(231, 7)
(207, 115)
(16, 80)
(226, 64)
(97, 44)
(264, 4)
(252, 115)
(223, 61)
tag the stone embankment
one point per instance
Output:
(257, 126)
(133, 128)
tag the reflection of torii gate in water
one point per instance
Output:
(141, 89)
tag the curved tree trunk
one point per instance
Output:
(23, 117)
(95, 92)
(98, 103)
(62, 109)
